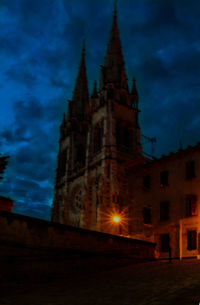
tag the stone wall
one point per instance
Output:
(22, 232)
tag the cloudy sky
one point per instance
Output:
(39, 58)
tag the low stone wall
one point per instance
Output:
(22, 232)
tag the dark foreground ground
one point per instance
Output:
(138, 284)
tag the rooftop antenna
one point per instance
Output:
(180, 145)
(152, 141)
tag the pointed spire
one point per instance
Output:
(114, 70)
(81, 96)
(64, 119)
(134, 89)
(63, 127)
(83, 49)
(115, 9)
(94, 93)
(134, 92)
(81, 87)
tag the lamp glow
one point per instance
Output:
(116, 218)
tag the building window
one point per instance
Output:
(108, 171)
(118, 135)
(164, 210)
(191, 205)
(147, 215)
(122, 99)
(115, 197)
(164, 242)
(192, 240)
(164, 178)
(127, 138)
(124, 137)
(80, 155)
(62, 160)
(190, 169)
(98, 137)
(102, 101)
(147, 182)
(110, 94)
(78, 200)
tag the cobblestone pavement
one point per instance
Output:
(141, 284)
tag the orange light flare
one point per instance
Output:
(116, 218)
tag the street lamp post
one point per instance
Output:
(117, 220)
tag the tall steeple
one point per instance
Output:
(113, 71)
(80, 100)
(63, 128)
(101, 134)
(134, 93)
(94, 93)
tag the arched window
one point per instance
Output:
(124, 136)
(98, 138)
(115, 197)
(62, 160)
(77, 206)
(110, 93)
(78, 200)
(80, 155)
(122, 99)
(118, 135)
(127, 139)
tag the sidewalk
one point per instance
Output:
(141, 284)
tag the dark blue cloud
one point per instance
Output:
(40, 53)
(30, 174)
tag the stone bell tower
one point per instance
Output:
(71, 163)
(100, 135)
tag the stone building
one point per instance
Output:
(101, 132)
(6, 204)
(102, 172)
(164, 200)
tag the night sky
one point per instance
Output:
(39, 57)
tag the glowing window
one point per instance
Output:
(191, 205)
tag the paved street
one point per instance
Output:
(140, 284)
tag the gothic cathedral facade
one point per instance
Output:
(101, 172)
(100, 134)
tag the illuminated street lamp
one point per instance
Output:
(116, 219)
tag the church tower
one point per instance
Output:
(101, 134)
